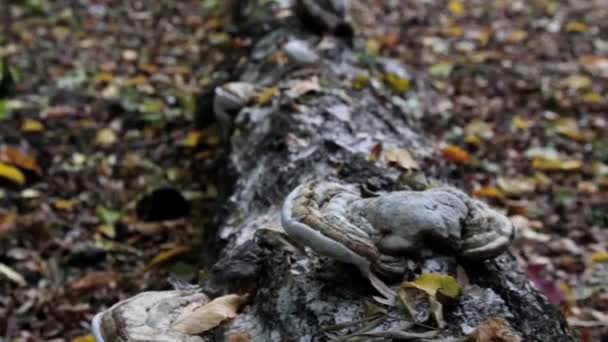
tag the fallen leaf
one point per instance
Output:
(556, 164)
(489, 192)
(569, 128)
(83, 338)
(577, 82)
(168, 255)
(516, 36)
(196, 319)
(12, 275)
(3, 109)
(298, 88)
(456, 7)
(264, 96)
(519, 123)
(360, 81)
(95, 280)
(494, 329)
(31, 125)
(108, 216)
(600, 256)
(103, 77)
(434, 283)
(105, 137)
(592, 98)
(441, 69)
(192, 139)
(376, 152)
(456, 154)
(12, 173)
(516, 186)
(576, 26)
(395, 82)
(66, 205)
(402, 158)
(15, 156)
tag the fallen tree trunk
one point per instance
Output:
(335, 115)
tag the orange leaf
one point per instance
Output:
(456, 154)
(13, 155)
(167, 255)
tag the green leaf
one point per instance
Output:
(3, 109)
(108, 216)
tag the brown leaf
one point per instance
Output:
(495, 330)
(196, 319)
(12, 155)
(95, 280)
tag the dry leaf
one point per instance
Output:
(191, 140)
(495, 330)
(31, 125)
(599, 256)
(12, 275)
(556, 164)
(83, 338)
(105, 137)
(264, 96)
(488, 191)
(432, 283)
(402, 158)
(66, 205)
(197, 320)
(516, 36)
(456, 7)
(167, 255)
(395, 82)
(11, 173)
(576, 26)
(456, 154)
(95, 280)
(300, 87)
(376, 152)
(15, 156)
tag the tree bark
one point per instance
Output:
(331, 132)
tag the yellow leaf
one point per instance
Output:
(167, 255)
(31, 125)
(488, 191)
(432, 283)
(264, 96)
(66, 205)
(373, 46)
(83, 338)
(576, 26)
(453, 31)
(592, 98)
(569, 128)
(519, 123)
(103, 77)
(456, 7)
(456, 154)
(395, 82)
(516, 36)
(11, 173)
(556, 164)
(105, 137)
(360, 81)
(137, 80)
(402, 158)
(192, 139)
(577, 81)
(600, 256)
(514, 186)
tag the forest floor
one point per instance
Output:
(106, 180)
